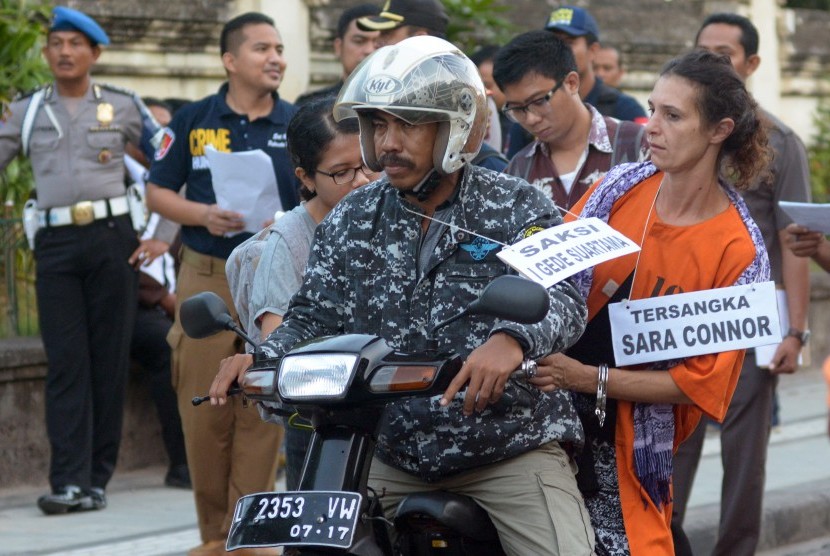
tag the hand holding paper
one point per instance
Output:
(220, 222)
(245, 183)
(802, 241)
(814, 216)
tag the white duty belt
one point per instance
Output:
(83, 213)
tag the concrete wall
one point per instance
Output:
(25, 449)
(171, 49)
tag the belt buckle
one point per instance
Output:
(82, 213)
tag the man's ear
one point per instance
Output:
(96, 52)
(229, 61)
(752, 64)
(338, 47)
(722, 130)
(572, 82)
(593, 49)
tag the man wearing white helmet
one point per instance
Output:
(414, 248)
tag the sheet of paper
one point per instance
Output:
(245, 182)
(810, 215)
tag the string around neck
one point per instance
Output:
(643, 238)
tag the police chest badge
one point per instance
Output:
(105, 114)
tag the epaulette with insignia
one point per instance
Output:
(117, 89)
(26, 94)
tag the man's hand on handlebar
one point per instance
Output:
(231, 370)
(487, 369)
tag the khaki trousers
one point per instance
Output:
(230, 450)
(532, 499)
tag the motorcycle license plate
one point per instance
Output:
(317, 518)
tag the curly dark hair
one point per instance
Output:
(745, 155)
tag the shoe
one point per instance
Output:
(178, 476)
(62, 500)
(98, 497)
(210, 548)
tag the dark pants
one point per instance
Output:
(744, 437)
(86, 294)
(150, 350)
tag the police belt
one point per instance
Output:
(83, 213)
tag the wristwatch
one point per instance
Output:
(803, 337)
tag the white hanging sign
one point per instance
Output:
(688, 324)
(553, 254)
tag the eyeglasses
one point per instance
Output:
(347, 175)
(538, 106)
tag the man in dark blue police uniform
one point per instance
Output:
(230, 451)
(74, 131)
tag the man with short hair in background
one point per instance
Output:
(608, 66)
(744, 433)
(351, 45)
(578, 28)
(575, 145)
(230, 450)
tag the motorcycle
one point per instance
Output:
(341, 385)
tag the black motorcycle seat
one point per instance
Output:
(455, 511)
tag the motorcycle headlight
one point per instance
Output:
(319, 375)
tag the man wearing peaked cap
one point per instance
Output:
(578, 28)
(401, 19)
(573, 21)
(75, 131)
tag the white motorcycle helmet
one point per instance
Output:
(420, 80)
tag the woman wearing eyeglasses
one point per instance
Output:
(695, 234)
(266, 270)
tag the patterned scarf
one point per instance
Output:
(654, 423)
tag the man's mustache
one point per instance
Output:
(391, 159)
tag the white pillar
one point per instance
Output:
(765, 84)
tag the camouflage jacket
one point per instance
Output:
(362, 277)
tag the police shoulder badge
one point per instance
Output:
(166, 142)
(531, 230)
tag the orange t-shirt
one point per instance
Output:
(673, 259)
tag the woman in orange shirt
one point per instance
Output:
(695, 233)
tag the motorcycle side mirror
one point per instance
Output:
(509, 298)
(512, 298)
(205, 314)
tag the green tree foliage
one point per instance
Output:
(819, 152)
(22, 68)
(477, 22)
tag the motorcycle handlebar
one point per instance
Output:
(198, 400)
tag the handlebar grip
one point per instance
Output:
(198, 400)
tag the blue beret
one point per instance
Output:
(67, 19)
